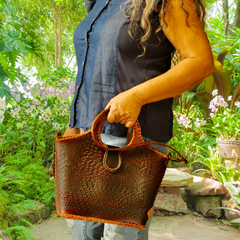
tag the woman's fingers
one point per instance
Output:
(124, 108)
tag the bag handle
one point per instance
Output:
(136, 137)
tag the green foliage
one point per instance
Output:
(19, 232)
(189, 134)
(14, 44)
(215, 165)
(38, 17)
(3, 212)
(33, 175)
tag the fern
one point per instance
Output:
(19, 232)
(27, 222)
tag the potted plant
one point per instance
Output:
(226, 123)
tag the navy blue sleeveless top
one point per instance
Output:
(108, 64)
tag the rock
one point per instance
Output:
(170, 202)
(33, 213)
(175, 178)
(230, 215)
(203, 173)
(4, 235)
(158, 213)
(184, 169)
(161, 190)
(204, 203)
(172, 213)
(154, 212)
(173, 190)
(166, 213)
(195, 213)
(204, 186)
(188, 199)
(180, 214)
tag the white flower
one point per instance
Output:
(225, 104)
(197, 124)
(224, 119)
(183, 120)
(237, 104)
(214, 92)
(211, 115)
(230, 98)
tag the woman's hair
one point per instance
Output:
(143, 17)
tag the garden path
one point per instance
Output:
(187, 227)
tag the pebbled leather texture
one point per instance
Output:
(86, 190)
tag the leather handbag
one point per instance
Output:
(96, 182)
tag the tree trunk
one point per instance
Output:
(56, 35)
(59, 36)
(226, 17)
(237, 15)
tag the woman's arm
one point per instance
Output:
(197, 63)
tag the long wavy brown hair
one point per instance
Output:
(143, 16)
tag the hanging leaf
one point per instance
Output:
(204, 98)
(221, 56)
(209, 84)
(222, 80)
(235, 96)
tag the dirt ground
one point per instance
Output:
(186, 227)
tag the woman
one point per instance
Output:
(124, 54)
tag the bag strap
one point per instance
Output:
(136, 137)
(180, 159)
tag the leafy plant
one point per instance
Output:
(188, 133)
(16, 231)
(201, 93)
(19, 232)
(215, 166)
(14, 44)
(225, 120)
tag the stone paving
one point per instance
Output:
(186, 227)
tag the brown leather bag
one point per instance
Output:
(109, 185)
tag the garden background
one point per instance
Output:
(37, 83)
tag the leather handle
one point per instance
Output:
(180, 159)
(135, 139)
(136, 136)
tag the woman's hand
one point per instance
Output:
(124, 108)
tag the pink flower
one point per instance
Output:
(215, 92)
(197, 124)
(237, 104)
(184, 120)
